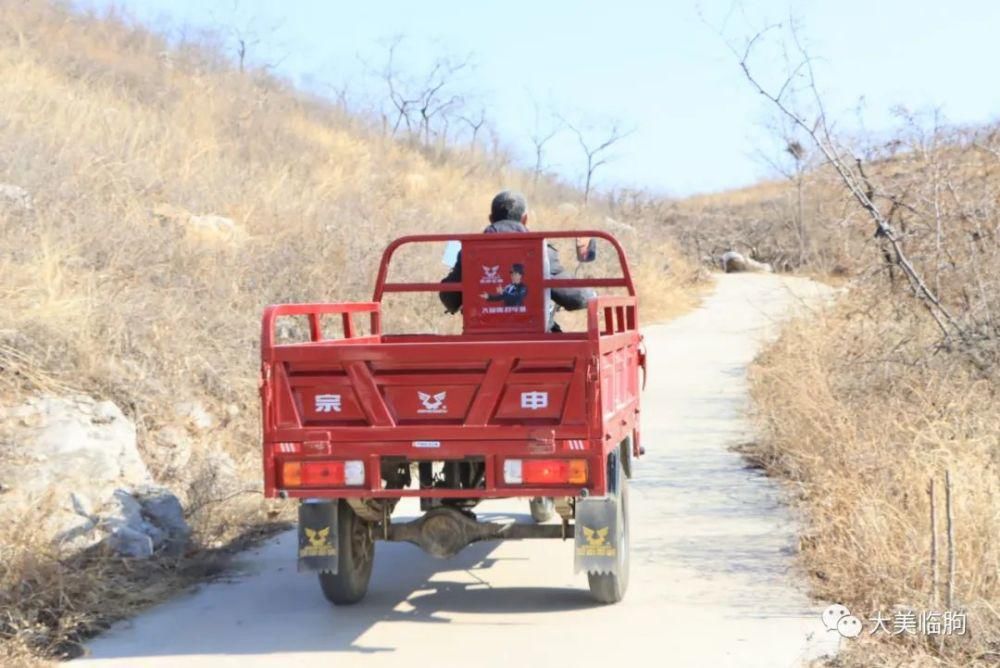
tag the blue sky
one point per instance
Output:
(657, 67)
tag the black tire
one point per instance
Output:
(542, 509)
(626, 455)
(611, 587)
(356, 550)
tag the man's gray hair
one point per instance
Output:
(508, 205)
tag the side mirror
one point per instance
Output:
(586, 249)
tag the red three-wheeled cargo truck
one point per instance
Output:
(508, 408)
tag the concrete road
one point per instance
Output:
(712, 580)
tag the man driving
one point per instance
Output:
(509, 213)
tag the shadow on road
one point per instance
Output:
(254, 613)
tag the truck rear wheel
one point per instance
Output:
(610, 587)
(542, 509)
(356, 554)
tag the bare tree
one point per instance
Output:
(851, 172)
(595, 150)
(792, 162)
(541, 134)
(341, 93)
(475, 124)
(246, 35)
(403, 104)
(418, 102)
(434, 99)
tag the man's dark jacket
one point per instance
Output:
(512, 295)
(571, 299)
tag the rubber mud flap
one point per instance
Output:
(318, 537)
(596, 535)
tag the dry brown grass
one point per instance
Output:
(51, 601)
(106, 128)
(856, 414)
(861, 410)
(671, 284)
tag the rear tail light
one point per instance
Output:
(350, 473)
(354, 472)
(544, 471)
(291, 474)
(512, 472)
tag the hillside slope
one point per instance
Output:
(153, 201)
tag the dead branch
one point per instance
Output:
(595, 150)
(857, 184)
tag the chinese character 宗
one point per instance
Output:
(327, 403)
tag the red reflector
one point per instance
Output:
(550, 471)
(315, 474)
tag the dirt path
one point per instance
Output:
(711, 564)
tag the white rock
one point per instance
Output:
(130, 543)
(205, 228)
(105, 413)
(80, 454)
(211, 227)
(162, 509)
(83, 536)
(75, 465)
(134, 523)
(81, 505)
(212, 223)
(15, 198)
(734, 262)
(194, 415)
(122, 510)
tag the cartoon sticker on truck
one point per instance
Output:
(511, 295)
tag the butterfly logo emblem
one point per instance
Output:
(595, 537)
(432, 403)
(317, 537)
(491, 274)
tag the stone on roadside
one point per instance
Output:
(74, 462)
(129, 542)
(733, 262)
(163, 510)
